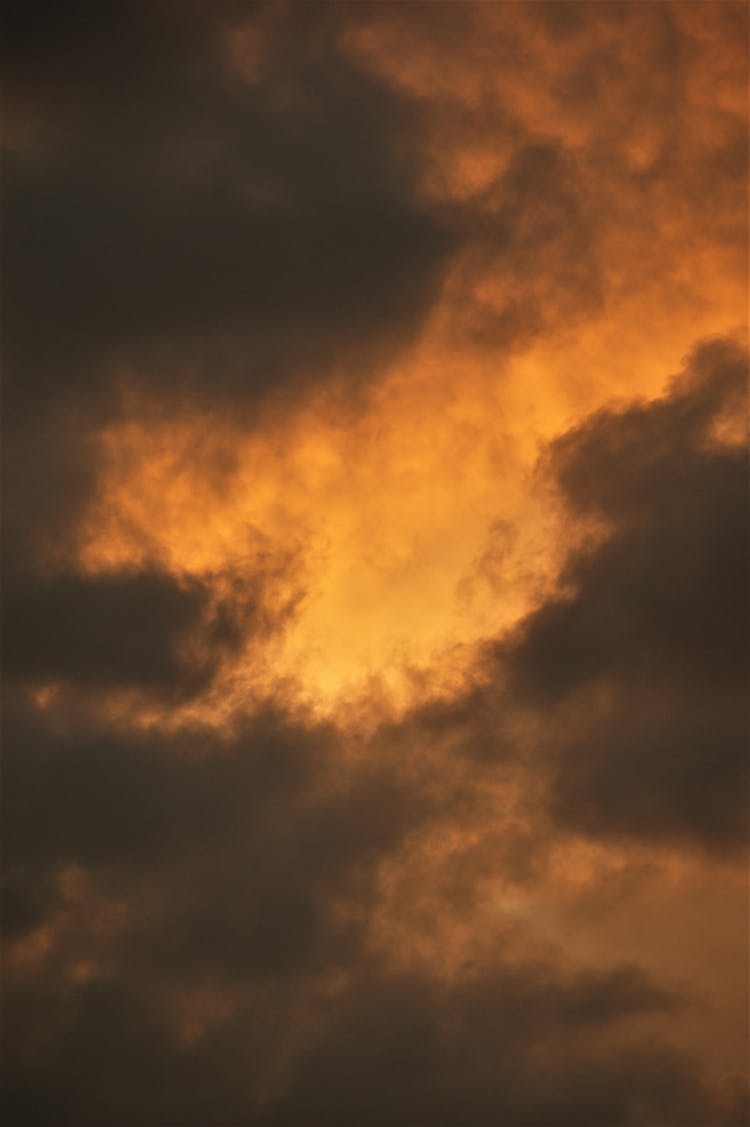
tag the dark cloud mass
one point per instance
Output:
(232, 860)
(642, 667)
(179, 229)
(112, 629)
(293, 296)
(198, 229)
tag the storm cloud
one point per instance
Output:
(374, 564)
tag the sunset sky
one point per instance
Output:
(375, 634)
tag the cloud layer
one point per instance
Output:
(375, 629)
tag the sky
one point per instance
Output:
(375, 618)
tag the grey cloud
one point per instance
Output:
(213, 241)
(214, 236)
(248, 862)
(513, 1045)
(642, 669)
(249, 832)
(120, 630)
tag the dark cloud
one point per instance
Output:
(208, 239)
(642, 666)
(68, 64)
(514, 1045)
(195, 915)
(138, 628)
(245, 866)
(204, 232)
(231, 855)
(394, 1051)
(535, 240)
(245, 831)
(619, 704)
(121, 630)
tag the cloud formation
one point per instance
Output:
(196, 913)
(375, 629)
(643, 659)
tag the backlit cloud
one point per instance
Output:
(374, 564)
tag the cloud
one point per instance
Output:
(245, 830)
(522, 1045)
(200, 232)
(306, 821)
(184, 233)
(640, 663)
(491, 1049)
(195, 915)
(116, 630)
(196, 866)
(617, 705)
(176, 864)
